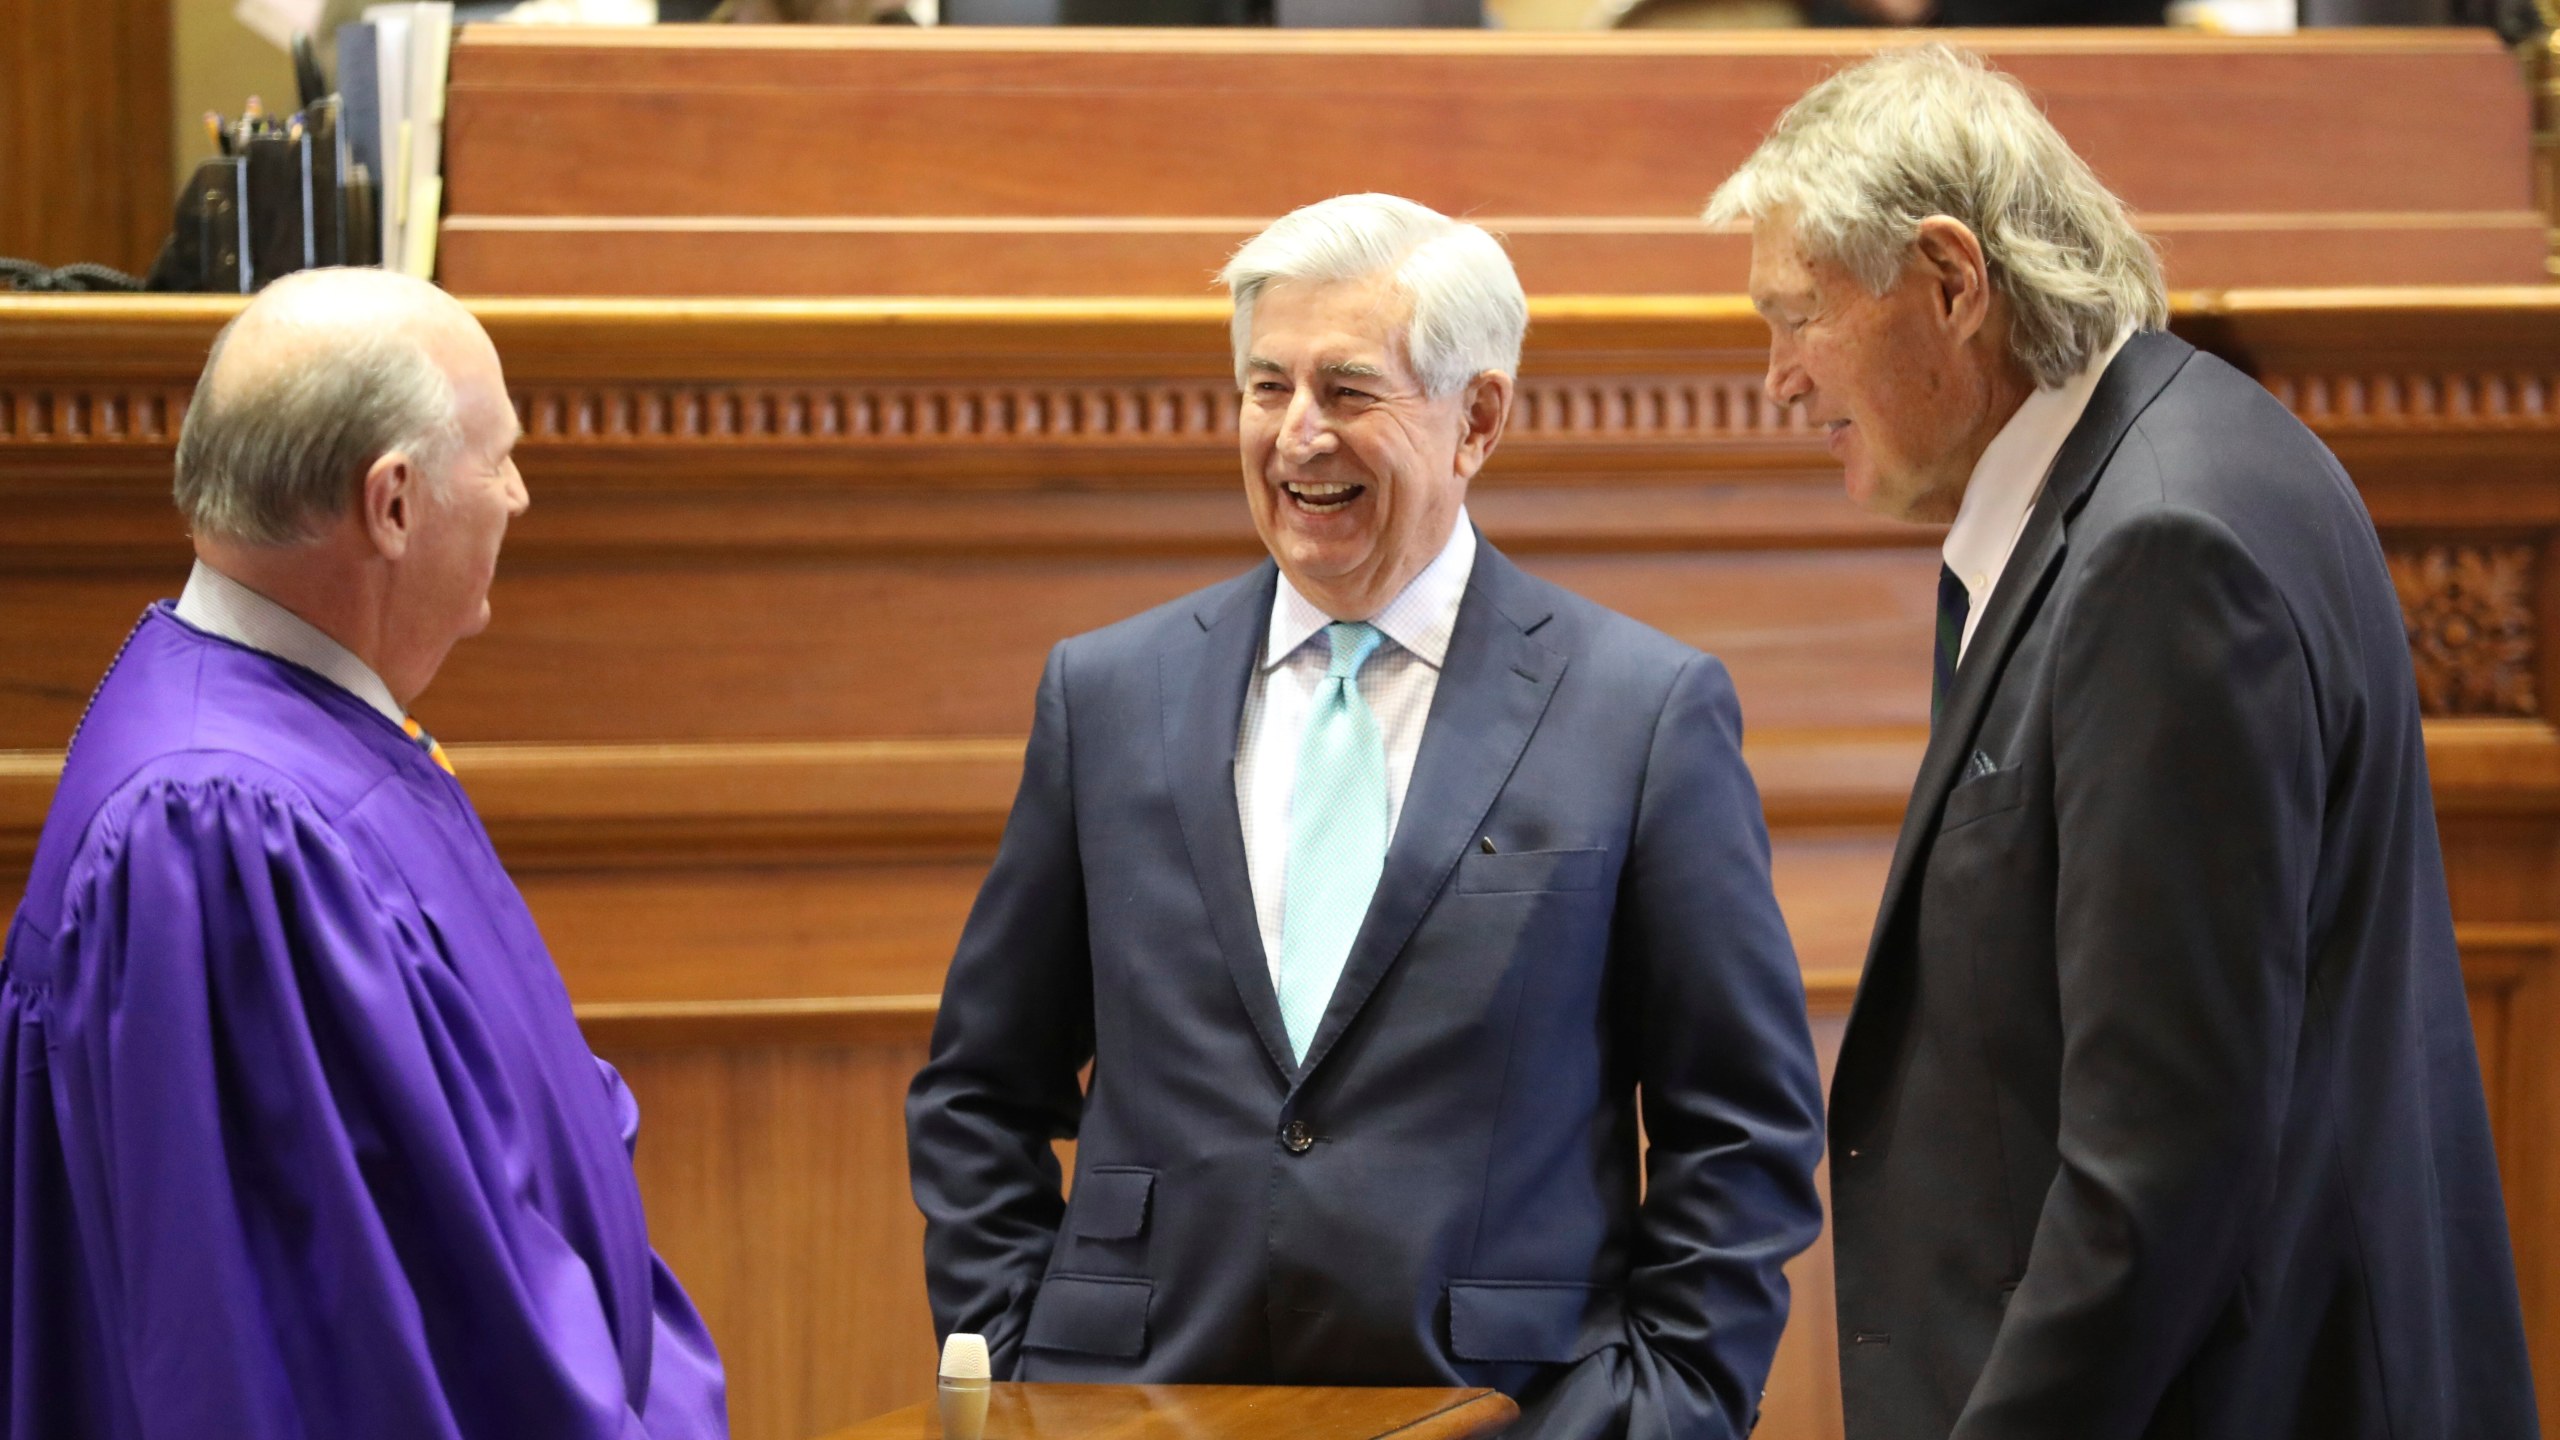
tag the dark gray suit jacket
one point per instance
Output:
(2158, 1114)
(1447, 1191)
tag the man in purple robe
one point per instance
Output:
(303, 1138)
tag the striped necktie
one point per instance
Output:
(426, 742)
(1954, 603)
(1337, 836)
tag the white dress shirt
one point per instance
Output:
(1398, 681)
(2007, 480)
(219, 605)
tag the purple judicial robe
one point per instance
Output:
(303, 1138)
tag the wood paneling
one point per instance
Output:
(595, 654)
(84, 107)
(751, 712)
(858, 162)
(775, 1175)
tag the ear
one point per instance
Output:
(389, 505)
(1484, 407)
(1950, 256)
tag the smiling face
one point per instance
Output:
(1354, 473)
(1902, 384)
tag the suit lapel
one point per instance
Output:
(2141, 369)
(1204, 680)
(1495, 683)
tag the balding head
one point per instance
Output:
(322, 375)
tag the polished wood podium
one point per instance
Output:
(1212, 1412)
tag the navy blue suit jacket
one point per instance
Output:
(1447, 1191)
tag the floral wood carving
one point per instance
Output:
(2470, 615)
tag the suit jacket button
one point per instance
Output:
(1297, 1137)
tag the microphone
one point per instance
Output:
(961, 1394)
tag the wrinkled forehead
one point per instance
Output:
(1781, 269)
(1327, 321)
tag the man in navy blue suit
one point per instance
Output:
(1385, 889)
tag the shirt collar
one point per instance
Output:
(1421, 617)
(2011, 474)
(219, 605)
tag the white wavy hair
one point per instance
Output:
(1865, 156)
(1468, 312)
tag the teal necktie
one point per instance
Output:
(1337, 836)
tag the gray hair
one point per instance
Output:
(1468, 313)
(272, 458)
(1865, 156)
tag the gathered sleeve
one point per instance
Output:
(307, 1191)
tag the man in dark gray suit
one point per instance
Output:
(1376, 884)
(2157, 1114)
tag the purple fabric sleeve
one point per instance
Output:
(299, 1184)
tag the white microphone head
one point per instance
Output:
(964, 1357)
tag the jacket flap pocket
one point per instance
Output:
(1091, 1315)
(1986, 795)
(1111, 1203)
(1482, 874)
(1518, 1321)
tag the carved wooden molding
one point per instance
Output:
(2415, 398)
(113, 372)
(1029, 411)
(2472, 634)
(92, 415)
(1555, 413)
(1567, 409)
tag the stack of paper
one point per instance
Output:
(391, 69)
(279, 20)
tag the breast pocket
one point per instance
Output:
(1983, 797)
(1532, 870)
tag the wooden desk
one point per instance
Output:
(1212, 1412)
